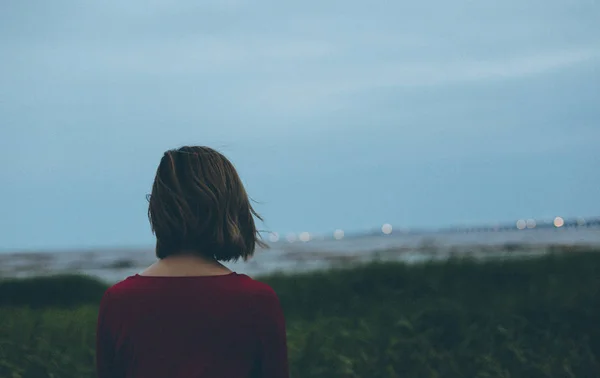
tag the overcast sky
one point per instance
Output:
(338, 114)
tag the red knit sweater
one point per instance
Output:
(225, 326)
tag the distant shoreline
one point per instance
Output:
(570, 224)
(114, 265)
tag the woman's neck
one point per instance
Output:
(186, 264)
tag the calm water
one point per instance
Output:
(116, 264)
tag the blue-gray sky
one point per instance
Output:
(338, 114)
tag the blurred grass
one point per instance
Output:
(526, 318)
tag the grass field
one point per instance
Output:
(525, 319)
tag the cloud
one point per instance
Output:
(192, 56)
(288, 93)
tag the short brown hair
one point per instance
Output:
(199, 204)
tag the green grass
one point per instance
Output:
(524, 319)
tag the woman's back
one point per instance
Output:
(225, 325)
(188, 315)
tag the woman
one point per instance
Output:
(187, 315)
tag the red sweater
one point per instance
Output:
(226, 326)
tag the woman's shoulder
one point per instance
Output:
(256, 287)
(237, 293)
(233, 282)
